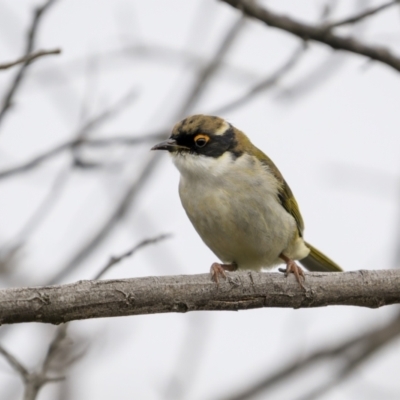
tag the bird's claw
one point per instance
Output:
(217, 271)
(292, 267)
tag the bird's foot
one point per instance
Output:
(292, 267)
(218, 271)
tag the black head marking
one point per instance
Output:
(220, 136)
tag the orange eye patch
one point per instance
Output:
(201, 140)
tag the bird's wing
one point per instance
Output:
(285, 194)
(289, 203)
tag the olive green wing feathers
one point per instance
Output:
(285, 194)
(289, 203)
(315, 261)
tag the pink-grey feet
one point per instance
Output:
(292, 267)
(218, 270)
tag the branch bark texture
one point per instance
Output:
(151, 295)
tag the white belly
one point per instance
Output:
(247, 226)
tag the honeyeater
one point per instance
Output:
(238, 201)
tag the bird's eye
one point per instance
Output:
(201, 140)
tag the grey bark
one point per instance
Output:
(151, 295)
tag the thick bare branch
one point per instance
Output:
(242, 291)
(316, 33)
(29, 58)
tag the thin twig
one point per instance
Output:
(369, 345)
(47, 155)
(33, 381)
(109, 112)
(45, 206)
(79, 140)
(129, 253)
(265, 83)
(351, 346)
(159, 54)
(211, 68)
(17, 366)
(123, 206)
(30, 44)
(321, 73)
(361, 16)
(352, 351)
(69, 144)
(30, 57)
(55, 344)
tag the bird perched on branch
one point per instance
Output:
(238, 201)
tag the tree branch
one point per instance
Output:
(117, 259)
(15, 364)
(350, 352)
(264, 84)
(29, 58)
(122, 208)
(35, 380)
(80, 139)
(30, 44)
(361, 16)
(209, 70)
(152, 295)
(316, 33)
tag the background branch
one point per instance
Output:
(316, 33)
(80, 137)
(30, 44)
(361, 16)
(120, 210)
(117, 259)
(30, 57)
(352, 351)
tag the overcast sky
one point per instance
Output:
(331, 125)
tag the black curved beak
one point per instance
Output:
(169, 144)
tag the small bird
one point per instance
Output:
(238, 201)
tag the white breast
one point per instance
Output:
(232, 204)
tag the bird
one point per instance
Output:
(238, 201)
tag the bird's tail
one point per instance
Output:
(316, 261)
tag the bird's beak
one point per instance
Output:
(169, 144)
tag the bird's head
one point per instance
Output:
(203, 142)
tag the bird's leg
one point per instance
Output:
(218, 270)
(292, 267)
